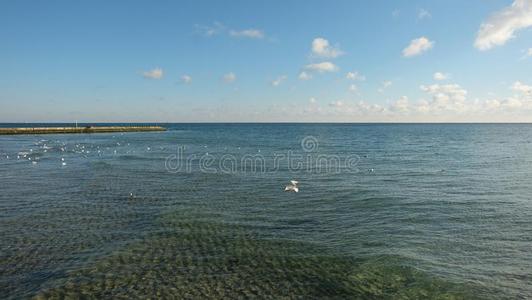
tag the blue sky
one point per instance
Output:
(341, 61)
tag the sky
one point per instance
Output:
(266, 61)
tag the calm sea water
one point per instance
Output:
(199, 211)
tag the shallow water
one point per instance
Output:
(435, 211)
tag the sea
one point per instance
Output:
(200, 211)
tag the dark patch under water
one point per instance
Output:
(206, 260)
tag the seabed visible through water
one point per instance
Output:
(194, 258)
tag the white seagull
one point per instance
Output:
(292, 187)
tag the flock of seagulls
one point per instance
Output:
(41, 148)
(80, 149)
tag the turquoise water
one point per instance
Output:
(384, 211)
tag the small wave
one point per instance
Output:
(210, 260)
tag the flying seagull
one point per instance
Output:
(292, 187)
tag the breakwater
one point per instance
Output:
(87, 129)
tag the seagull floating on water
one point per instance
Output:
(292, 187)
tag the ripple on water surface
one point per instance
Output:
(201, 259)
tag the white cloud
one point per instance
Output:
(353, 88)
(218, 28)
(212, 30)
(304, 76)
(279, 80)
(325, 66)
(453, 89)
(384, 85)
(337, 104)
(451, 99)
(509, 104)
(442, 103)
(322, 48)
(423, 14)
(423, 106)
(355, 76)
(527, 53)
(401, 105)
(522, 101)
(229, 77)
(396, 13)
(512, 103)
(518, 86)
(503, 25)
(346, 108)
(418, 46)
(440, 76)
(186, 79)
(247, 33)
(492, 104)
(156, 73)
(446, 97)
